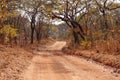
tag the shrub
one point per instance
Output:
(8, 32)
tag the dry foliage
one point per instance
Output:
(13, 62)
(106, 59)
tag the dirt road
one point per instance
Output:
(51, 65)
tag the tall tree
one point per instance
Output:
(105, 6)
(71, 12)
(32, 8)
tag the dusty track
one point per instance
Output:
(50, 66)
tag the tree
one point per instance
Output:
(105, 6)
(32, 8)
(7, 31)
(71, 12)
(38, 27)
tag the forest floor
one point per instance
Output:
(49, 63)
(13, 61)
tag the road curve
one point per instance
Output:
(50, 66)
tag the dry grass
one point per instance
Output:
(12, 62)
(106, 59)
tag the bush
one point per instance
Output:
(8, 32)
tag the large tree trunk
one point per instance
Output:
(105, 21)
(106, 27)
(32, 35)
(32, 28)
(77, 33)
(76, 37)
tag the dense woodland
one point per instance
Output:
(89, 24)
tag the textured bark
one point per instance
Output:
(32, 28)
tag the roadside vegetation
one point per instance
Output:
(90, 27)
(94, 25)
